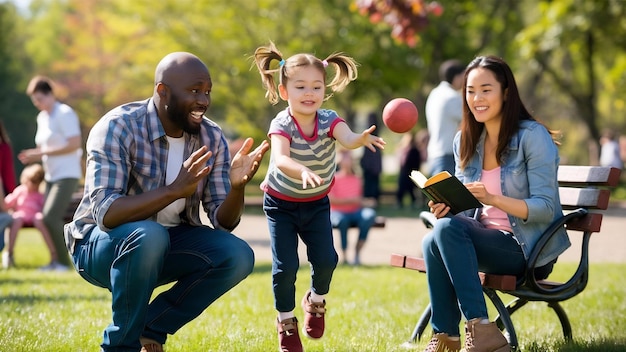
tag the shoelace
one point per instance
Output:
(288, 329)
(434, 343)
(316, 308)
(469, 339)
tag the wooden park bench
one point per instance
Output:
(584, 192)
(379, 222)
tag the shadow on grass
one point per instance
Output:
(32, 299)
(262, 268)
(604, 345)
(266, 267)
(33, 280)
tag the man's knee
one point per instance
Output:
(238, 258)
(150, 240)
(243, 257)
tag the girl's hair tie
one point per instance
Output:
(281, 63)
(325, 63)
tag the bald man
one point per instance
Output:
(150, 164)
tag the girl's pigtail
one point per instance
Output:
(263, 57)
(345, 71)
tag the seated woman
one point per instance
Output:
(347, 206)
(509, 162)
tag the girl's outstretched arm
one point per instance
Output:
(351, 140)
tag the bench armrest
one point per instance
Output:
(530, 279)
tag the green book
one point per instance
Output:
(445, 188)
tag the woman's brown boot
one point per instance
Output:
(443, 343)
(484, 337)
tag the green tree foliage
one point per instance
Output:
(578, 47)
(569, 55)
(16, 111)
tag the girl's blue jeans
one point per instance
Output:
(454, 251)
(310, 221)
(133, 259)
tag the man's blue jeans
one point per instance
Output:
(454, 251)
(311, 221)
(134, 258)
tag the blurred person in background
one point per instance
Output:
(348, 206)
(410, 159)
(58, 147)
(7, 180)
(372, 167)
(443, 116)
(610, 154)
(7, 169)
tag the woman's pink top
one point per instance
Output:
(346, 186)
(491, 216)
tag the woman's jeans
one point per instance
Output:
(133, 259)
(363, 218)
(311, 221)
(455, 251)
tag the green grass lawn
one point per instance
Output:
(370, 308)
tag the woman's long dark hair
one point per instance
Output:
(513, 110)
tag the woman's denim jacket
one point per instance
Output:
(528, 172)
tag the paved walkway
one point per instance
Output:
(404, 235)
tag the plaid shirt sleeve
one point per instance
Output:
(216, 185)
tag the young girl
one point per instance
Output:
(300, 174)
(508, 161)
(26, 202)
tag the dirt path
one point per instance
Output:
(404, 235)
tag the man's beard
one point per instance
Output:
(180, 116)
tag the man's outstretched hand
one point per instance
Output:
(245, 163)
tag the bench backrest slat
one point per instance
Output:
(593, 198)
(586, 187)
(588, 175)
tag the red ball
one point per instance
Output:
(400, 115)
